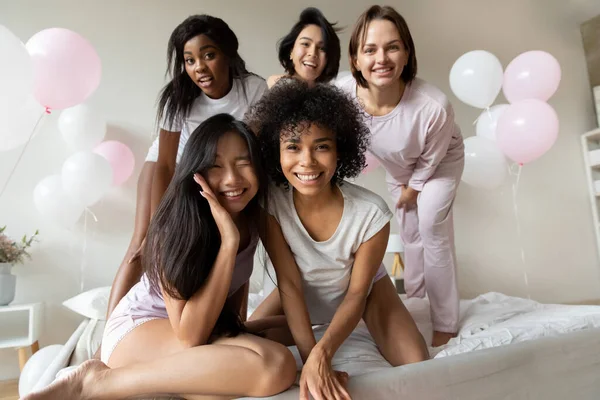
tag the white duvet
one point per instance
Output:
(494, 319)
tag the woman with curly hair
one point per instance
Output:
(419, 144)
(310, 51)
(327, 237)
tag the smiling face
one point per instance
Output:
(308, 54)
(232, 177)
(309, 160)
(381, 56)
(207, 66)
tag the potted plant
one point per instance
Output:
(11, 253)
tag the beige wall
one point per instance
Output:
(590, 33)
(130, 37)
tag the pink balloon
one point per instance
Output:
(66, 68)
(120, 157)
(526, 130)
(531, 75)
(372, 163)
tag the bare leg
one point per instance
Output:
(270, 310)
(269, 307)
(130, 271)
(150, 361)
(392, 326)
(441, 338)
(274, 328)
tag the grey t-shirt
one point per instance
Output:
(325, 267)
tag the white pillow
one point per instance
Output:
(92, 304)
(88, 343)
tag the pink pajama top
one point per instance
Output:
(416, 137)
(146, 301)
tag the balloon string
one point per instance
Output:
(489, 113)
(479, 116)
(84, 247)
(83, 252)
(515, 189)
(92, 213)
(37, 124)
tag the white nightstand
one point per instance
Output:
(21, 328)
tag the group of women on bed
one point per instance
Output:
(240, 160)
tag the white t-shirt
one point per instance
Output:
(204, 107)
(326, 267)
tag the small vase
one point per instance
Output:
(8, 283)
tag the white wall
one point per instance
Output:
(131, 36)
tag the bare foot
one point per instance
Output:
(441, 338)
(77, 385)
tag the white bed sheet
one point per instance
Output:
(490, 321)
(552, 368)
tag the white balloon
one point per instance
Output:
(53, 203)
(82, 127)
(485, 164)
(35, 367)
(16, 79)
(488, 121)
(86, 177)
(476, 78)
(18, 123)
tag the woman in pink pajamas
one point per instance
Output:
(416, 140)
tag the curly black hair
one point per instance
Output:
(291, 106)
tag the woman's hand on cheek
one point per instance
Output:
(230, 235)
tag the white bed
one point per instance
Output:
(559, 367)
(507, 348)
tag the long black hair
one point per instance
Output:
(177, 97)
(331, 41)
(183, 239)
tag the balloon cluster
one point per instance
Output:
(523, 130)
(58, 69)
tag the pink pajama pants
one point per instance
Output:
(428, 235)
